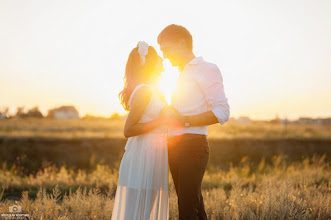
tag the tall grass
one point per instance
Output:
(280, 190)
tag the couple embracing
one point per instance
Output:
(160, 134)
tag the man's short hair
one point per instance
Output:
(175, 33)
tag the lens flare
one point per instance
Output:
(168, 80)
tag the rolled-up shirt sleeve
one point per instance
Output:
(211, 83)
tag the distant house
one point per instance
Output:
(305, 121)
(326, 121)
(317, 121)
(284, 121)
(244, 120)
(3, 115)
(64, 112)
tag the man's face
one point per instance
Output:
(171, 51)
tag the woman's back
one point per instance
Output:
(153, 108)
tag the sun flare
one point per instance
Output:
(168, 80)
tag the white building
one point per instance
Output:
(3, 115)
(66, 112)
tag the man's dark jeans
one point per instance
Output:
(188, 156)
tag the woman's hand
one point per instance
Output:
(166, 112)
(170, 116)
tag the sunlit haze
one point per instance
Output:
(274, 55)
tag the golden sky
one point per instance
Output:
(274, 55)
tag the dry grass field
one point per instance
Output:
(89, 128)
(272, 187)
(299, 190)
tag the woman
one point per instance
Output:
(142, 189)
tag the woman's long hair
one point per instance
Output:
(136, 73)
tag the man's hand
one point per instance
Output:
(170, 116)
(176, 119)
(166, 115)
(166, 112)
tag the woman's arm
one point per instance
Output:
(138, 105)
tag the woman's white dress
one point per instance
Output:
(142, 189)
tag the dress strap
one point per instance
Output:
(135, 89)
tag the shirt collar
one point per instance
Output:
(196, 60)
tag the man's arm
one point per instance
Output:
(211, 84)
(206, 118)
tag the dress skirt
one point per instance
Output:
(142, 190)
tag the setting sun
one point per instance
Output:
(168, 80)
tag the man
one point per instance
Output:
(199, 100)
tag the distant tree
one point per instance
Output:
(4, 112)
(50, 113)
(88, 116)
(20, 112)
(275, 120)
(35, 113)
(115, 116)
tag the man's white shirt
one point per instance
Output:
(199, 89)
